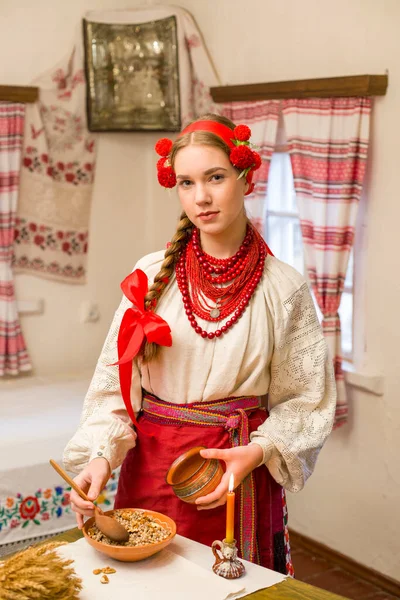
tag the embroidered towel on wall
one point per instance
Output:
(58, 165)
(57, 172)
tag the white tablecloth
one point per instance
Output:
(180, 571)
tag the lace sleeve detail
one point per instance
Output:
(105, 428)
(302, 394)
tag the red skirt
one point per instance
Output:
(142, 485)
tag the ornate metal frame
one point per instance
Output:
(132, 74)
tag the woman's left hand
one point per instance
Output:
(240, 461)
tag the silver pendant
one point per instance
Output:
(214, 313)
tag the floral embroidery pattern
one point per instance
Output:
(56, 177)
(289, 564)
(50, 503)
(47, 238)
(66, 80)
(63, 129)
(63, 172)
(67, 272)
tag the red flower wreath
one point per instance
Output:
(257, 161)
(242, 157)
(161, 163)
(242, 133)
(166, 177)
(163, 147)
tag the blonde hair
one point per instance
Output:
(185, 225)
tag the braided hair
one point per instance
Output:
(178, 242)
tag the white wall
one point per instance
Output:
(351, 503)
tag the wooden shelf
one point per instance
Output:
(330, 87)
(18, 93)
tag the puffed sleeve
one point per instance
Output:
(302, 392)
(105, 428)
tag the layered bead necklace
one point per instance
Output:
(229, 283)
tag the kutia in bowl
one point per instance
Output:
(149, 532)
(192, 476)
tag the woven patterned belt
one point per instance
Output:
(230, 413)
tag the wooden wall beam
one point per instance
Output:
(18, 93)
(354, 85)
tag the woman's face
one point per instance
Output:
(210, 192)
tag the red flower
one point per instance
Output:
(45, 158)
(163, 147)
(166, 177)
(66, 246)
(161, 162)
(85, 249)
(242, 157)
(33, 226)
(16, 234)
(65, 500)
(60, 166)
(38, 239)
(27, 161)
(257, 161)
(29, 507)
(60, 235)
(45, 516)
(242, 133)
(69, 176)
(30, 149)
(81, 237)
(88, 166)
(50, 171)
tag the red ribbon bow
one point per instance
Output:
(136, 325)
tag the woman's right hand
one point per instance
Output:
(91, 480)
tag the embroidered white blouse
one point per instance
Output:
(276, 348)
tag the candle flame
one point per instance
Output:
(231, 483)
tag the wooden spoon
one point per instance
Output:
(107, 525)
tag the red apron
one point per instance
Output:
(175, 428)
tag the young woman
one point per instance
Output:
(232, 323)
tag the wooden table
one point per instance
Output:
(289, 589)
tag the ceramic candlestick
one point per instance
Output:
(226, 563)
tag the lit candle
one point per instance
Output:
(230, 511)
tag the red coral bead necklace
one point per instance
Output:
(228, 283)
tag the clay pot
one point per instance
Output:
(192, 476)
(132, 553)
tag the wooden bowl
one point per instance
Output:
(132, 553)
(192, 476)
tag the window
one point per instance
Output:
(283, 235)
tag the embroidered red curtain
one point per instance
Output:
(328, 143)
(13, 354)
